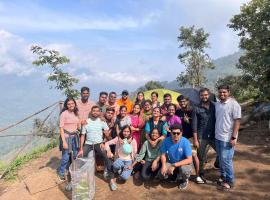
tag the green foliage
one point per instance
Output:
(239, 89)
(194, 42)
(12, 169)
(151, 85)
(53, 59)
(253, 27)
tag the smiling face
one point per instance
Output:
(183, 103)
(204, 96)
(126, 132)
(223, 94)
(95, 112)
(123, 112)
(155, 134)
(167, 100)
(140, 96)
(136, 109)
(112, 98)
(154, 97)
(147, 106)
(156, 112)
(70, 105)
(109, 115)
(171, 110)
(176, 134)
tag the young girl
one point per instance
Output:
(69, 139)
(125, 151)
(149, 157)
(137, 124)
(122, 119)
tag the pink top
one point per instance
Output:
(137, 122)
(118, 150)
(69, 121)
(173, 120)
(84, 108)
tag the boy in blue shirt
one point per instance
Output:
(176, 157)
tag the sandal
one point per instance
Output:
(224, 186)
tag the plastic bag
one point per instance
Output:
(83, 178)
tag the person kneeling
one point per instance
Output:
(125, 151)
(151, 155)
(176, 157)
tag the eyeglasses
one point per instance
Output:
(176, 133)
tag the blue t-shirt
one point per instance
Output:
(176, 152)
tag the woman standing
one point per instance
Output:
(140, 99)
(122, 119)
(137, 124)
(69, 139)
(154, 98)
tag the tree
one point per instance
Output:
(53, 59)
(151, 85)
(196, 60)
(239, 89)
(253, 27)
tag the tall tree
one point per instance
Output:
(193, 42)
(64, 81)
(253, 27)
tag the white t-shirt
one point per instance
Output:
(226, 113)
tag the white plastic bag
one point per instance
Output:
(83, 178)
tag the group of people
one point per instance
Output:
(149, 139)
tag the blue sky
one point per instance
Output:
(112, 43)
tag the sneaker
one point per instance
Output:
(119, 171)
(105, 174)
(220, 181)
(183, 185)
(68, 187)
(61, 177)
(199, 180)
(113, 186)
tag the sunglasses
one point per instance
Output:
(176, 133)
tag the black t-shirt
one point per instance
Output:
(187, 127)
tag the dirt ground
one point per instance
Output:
(38, 181)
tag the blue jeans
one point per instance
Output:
(120, 164)
(225, 153)
(66, 157)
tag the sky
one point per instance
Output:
(112, 45)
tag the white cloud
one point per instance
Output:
(15, 55)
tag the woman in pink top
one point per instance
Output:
(137, 124)
(125, 151)
(69, 140)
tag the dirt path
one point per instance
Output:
(252, 170)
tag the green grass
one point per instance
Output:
(12, 169)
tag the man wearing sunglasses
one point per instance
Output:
(176, 157)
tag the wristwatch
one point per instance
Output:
(233, 138)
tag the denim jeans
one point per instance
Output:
(120, 164)
(225, 153)
(66, 157)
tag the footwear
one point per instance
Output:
(183, 185)
(61, 177)
(68, 187)
(220, 180)
(113, 186)
(105, 174)
(199, 180)
(224, 186)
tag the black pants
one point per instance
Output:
(147, 172)
(98, 153)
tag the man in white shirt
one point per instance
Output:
(228, 115)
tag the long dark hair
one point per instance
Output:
(66, 108)
(121, 135)
(137, 100)
(121, 107)
(137, 104)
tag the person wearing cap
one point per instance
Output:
(125, 101)
(176, 157)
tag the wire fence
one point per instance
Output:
(24, 136)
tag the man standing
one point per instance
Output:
(167, 100)
(113, 104)
(228, 115)
(84, 105)
(176, 157)
(102, 101)
(125, 101)
(203, 126)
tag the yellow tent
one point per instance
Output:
(161, 92)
